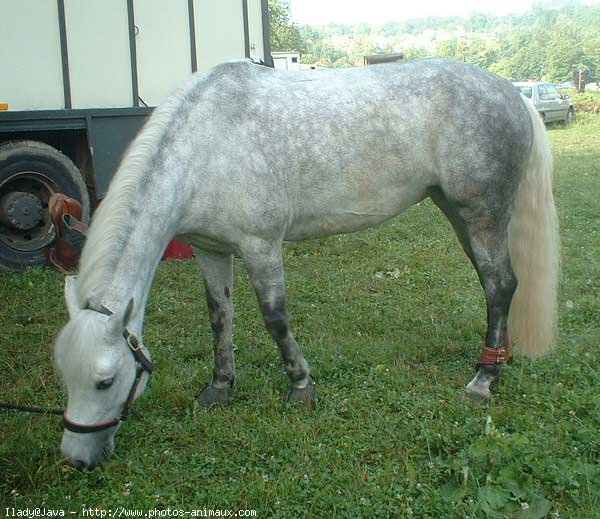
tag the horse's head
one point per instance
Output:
(104, 369)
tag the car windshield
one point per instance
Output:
(525, 90)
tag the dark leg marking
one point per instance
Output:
(276, 321)
(218, 274)
(267, 276)
(216, 315)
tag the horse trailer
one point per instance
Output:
(79, 79)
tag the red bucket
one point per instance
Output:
(178, 250)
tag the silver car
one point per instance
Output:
(548, 101)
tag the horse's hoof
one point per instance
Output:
(478, 389)
(476, 394)
(307, 395)
(211, 396)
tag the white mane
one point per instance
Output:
(110, 225)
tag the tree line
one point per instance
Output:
(547, 43)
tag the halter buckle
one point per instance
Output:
(133, 343)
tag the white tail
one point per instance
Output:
(534, 251)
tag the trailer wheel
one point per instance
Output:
(30, 172)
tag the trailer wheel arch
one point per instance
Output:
(30, 172)
(74, 143)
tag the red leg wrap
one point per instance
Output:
(494, 356)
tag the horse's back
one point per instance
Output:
(364, 114)
(349, 148)
(358, 146)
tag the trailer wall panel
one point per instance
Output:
(163, 47)
(30, 57)
(219, 32)
(255, 22)
(99, 59)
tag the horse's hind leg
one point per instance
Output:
(217, 271)
(484, 236)
(265, 266)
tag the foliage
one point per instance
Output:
(547, 43)
(565, 51)
(322, 53)
(524, 53)
(474, 52)
(587, 102)
(391, 353)
(285, 35)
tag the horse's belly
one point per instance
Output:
(322, 216)
(329, 224)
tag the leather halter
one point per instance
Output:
(142, 363)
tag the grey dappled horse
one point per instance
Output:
(245, 157)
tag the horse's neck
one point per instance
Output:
(138, 247)
(136, 267)
(140, 214)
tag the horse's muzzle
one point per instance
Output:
(84, 451)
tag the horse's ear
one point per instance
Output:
(117, 323)
(73, 306)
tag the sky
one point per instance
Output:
(321, 12)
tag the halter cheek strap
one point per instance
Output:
(142, 363)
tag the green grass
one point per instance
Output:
(391, 354)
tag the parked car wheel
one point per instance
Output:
(30, 172)
(570, 116)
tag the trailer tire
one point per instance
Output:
(30, 172)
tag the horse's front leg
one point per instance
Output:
(265, 265)
(218, 281)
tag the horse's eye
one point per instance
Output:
(104, 384)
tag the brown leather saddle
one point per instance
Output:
(66, 214)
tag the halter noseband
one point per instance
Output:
(142, 363)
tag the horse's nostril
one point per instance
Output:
(79, 464)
